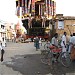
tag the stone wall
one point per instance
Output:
(68, 22)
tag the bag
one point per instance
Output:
(73, 52)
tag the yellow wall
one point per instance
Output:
(67, 26)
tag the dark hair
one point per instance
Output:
(3, 38)
(55, 34)
(64, 32)
(73, 34)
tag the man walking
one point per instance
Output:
(72, 47)
(63, 42)
(2, 47)
(55, 40)
(36, 41)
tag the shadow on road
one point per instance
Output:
(31, 65)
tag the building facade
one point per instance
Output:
(2, 31)
(65, 23)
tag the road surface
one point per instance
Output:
(23, 59)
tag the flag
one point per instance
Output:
(50, 8)
(25, 6)
(54, 8)
(29, 6)
(46, 7)
(18, 11)
(22, 7)
(33, 5)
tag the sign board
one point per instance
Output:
(60, 24)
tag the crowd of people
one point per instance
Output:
(66, 44)
(70, 45)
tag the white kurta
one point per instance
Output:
(62, 44)
(0, 43)
(72, 40)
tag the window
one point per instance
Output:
(2, 26)
(60, 24)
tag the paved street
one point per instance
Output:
(23, 59)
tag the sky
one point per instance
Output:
(7, 9)
(65, 7)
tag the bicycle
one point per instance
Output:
(47, 56)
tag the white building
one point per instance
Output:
(2, 29)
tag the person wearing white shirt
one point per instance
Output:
(72, 40)
(3, 42)
(54, 40)
(63, 42)
(40, 42)
(0, 43)
(72, 51)
(2, 48)
(70, 44)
